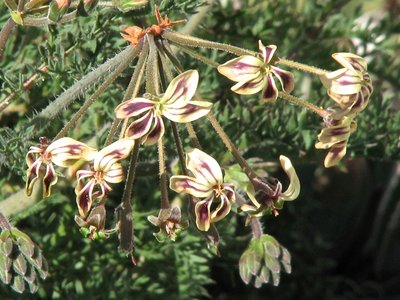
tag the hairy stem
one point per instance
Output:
(319, 111)
(5, 33)
(179, 147)
(43, 119)
(302, 67)
(138, 77)
(152, 73)
(124, 210)
(198, 56)
(187, 40)
(256, 227)
(231, 147)
(130, 56)
(163, 175)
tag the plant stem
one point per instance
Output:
(231, 147)
(302, 67)
(130, 56)
(43, 119)
(124, 210)
(256, 227)
(319, 111)
(43, 21)
(152, 73)
(187, 40)
(179, 147)
(163, 175)
(138, 77)
(5, 33)
(34, 3)
(131, 92)
(194, 140)
(198, 56)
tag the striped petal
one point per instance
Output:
(189, 185)
(203, 215)
(270, 92)
(114, 174)
(186, 111)
(225, 205)
(267, 52)
(32, 176)
(108, 156)
(251, 84)
(347, 84)
(205, 168)
(182, 87)
(293, 190)
(335, 154)
(240, 68)
(84, 196)
(156, 132)
(141, 126)
(351, 61)
(133, 108)
(50, 178)
(285, 78)
(65, 150)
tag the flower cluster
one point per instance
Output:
(350, 87)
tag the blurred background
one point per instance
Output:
(342, 232)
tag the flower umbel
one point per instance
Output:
(254, 74)
(267, 195)
(335, 136)
(175, 105)
(208, 183)
(62, 153)
(350, 87)
(170, 223)
(93, 184)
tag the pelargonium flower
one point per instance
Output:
(62, 152)
(175, 105)
(350, 87)
(267, 195)
(254, 74)
(336, 136)
(170, 222)
(208, 183)
(93, 184)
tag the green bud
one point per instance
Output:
(19, 265)
(18, 284)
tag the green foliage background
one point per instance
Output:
(342, 232)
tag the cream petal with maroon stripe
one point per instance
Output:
(335, 154)
(251, 84)
(50, 178)
(203, 215)
(108, 156)
(114, 174)
(351, 61)
(156, 132)
(189, 185)
(293, 190)
(84, 196)
(133, 108)
(267, 52)
(184, 112)
(63, 150)
(270, 92)
(182, 88)
(141, 126)
(240, 68)
(32, 176)
(204, 168)
(285, 78)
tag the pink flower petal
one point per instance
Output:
(156, 132)
(189, 185)
(186, 112)
(270, 92)
(285, 78)
(141, 126)
(182, 87)
(108, 156)
(203, 216)
(205, 168)
(267, 52)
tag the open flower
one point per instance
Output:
(208, 183)
(350, 87)
(94, 184)
(336, 136)
(267, 195)
(62, 153)
(170, 222)
(175, 105)
(254, 74)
